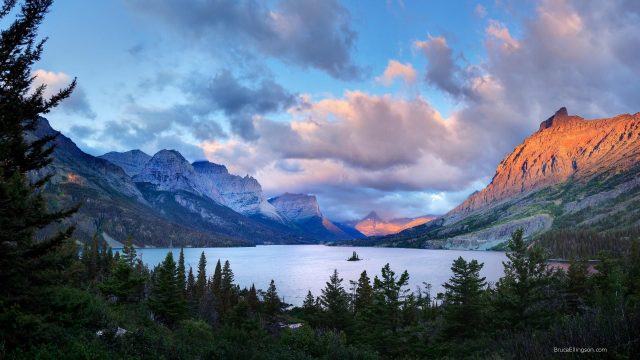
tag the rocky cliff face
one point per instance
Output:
(564, 147)
(168, 170)
(296, 207)
(373, 225)
(132, 162)
(303, 211)
(242, 194)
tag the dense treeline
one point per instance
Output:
(587, 243)
(113, 306)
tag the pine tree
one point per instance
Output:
(335, 302)
(129, 252)
(201, 279)
(166, 298)
(182, 285)
(216, 281)
(23, 209)
(252, 298)
(524, 295)
(227, 293)
(577, 287)
(191, 285)
(463, 311)
(272, 303)
(364, 293)
(123, 283)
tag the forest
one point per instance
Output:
(60, 300)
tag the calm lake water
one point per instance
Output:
(299, 268)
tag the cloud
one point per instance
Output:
(480, 11)
(396, 69)
(499, 32)
(77, 103)
(442, 71)
(239, 102)
(310, 34)
(381, 152)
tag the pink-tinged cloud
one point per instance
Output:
(397, 70)
(498, 31)
(77, 103)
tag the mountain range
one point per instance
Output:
(374, 225)
(572, 173)
(164, 200)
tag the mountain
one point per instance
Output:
(570, 174)
(111, 200)
(242, 194)
(131, 161)
(303, 211)
(373, 225)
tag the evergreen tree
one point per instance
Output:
(201, 279)
(524, 295)
(364, 293)
(166, 300)
(182, 285)
(608, 282)
(272, 303)
(311, 309)
(227, 293)
(252, 298)
(123, 283)
(129, 252)
(335, 302)
(191, 285)
(216, 281)
(22, 207)
(577, 285)
(463, 299)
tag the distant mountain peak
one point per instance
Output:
(132, 161)
(296, 207)
(560, 118)
(372, 216)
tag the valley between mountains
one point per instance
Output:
(572, 173)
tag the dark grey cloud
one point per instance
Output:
(240, 103)
(308, 33)
(78, 103)
(442, 71)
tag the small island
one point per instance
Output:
(354, 257)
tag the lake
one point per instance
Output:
(299, 268)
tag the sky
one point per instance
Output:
(401, 107)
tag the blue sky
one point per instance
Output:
(293, 92)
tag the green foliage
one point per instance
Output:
(465, 305)
(166, 299)
(524, 295)
(272, 303)
(335, 302)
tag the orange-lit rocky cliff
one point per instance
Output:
(564, 147)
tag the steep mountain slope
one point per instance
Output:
(111, 200)
(303, 211)
(242, 194)
(570, 174)
(373, 225)
(132, 162)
